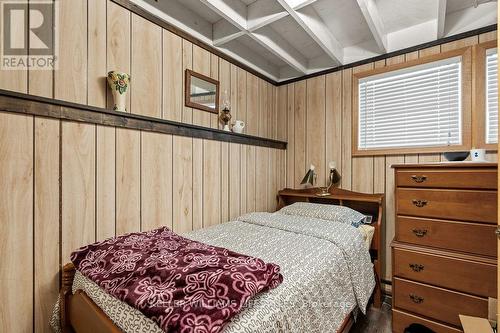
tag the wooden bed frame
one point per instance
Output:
(79, 313)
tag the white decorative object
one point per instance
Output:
(238, 126)
(119, 82)
(478, 155)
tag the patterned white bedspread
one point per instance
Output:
(326, 267)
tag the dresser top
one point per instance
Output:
(448, 165)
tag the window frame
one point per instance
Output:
(466, 69)
(479, 96)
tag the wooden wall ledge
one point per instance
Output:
(14, 102)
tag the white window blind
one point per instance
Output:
(491, 96)
(418, 106)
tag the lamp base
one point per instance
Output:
(226, 128)
(323, 192)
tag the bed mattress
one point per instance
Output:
(326, 267)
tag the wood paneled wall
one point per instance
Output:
(66, 184)
(319, 127)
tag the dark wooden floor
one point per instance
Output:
(375, 321)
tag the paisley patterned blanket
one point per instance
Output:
(177, 282)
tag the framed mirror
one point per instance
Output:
(201, 92)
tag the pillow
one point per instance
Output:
(335, 213)
(367, 231)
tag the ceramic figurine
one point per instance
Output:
(238, 126)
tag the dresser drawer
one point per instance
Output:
(449, 178)
(462, 275)
(464, 205)
(401, 320)
(458, 236)
(437, 303)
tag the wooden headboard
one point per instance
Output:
(368, 204)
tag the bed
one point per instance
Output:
(325, 283)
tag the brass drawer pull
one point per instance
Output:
(420, 232)
(419, 203)
(416, 299)
(417, 267)
(419, 179)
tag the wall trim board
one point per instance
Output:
(162, 23)
(14, 102)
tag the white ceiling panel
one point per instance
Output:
(284, 39)
(339, 16)
(296, 36)
(401, 14)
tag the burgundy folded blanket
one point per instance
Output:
(181, 284)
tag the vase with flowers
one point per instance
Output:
(119, 82)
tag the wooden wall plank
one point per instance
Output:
(197, 181)
(346, 130)
(211, 183)
(16, 229)
(78, 186)
(173, 92)
(214, 74)
(316, 127)
(242, 92)
(156, 181)
(17, 79)
(182, 181)
(235, 182)
(281, 113)
(273, 183)
(263, 123)
(243, 179)
(146, 73)
(201, 64)
(118, 48)
(40, 82)
(273, 99)
(300, 114)
(187, 63)
(253, 105)
(362, 166)
(70, 80)
(290, 152)
(333, 121)
(96, 74)
(105, 182)
(46, 220)
(225, 170)
(250, 178)
(128, 177)
(261, 178)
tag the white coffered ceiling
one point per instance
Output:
(284, 39)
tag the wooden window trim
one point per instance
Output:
(479, 96)
(466, 54)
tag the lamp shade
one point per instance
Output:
(309, 177)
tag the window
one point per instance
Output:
(491, 96)
(413, 107)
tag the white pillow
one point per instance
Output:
(335, 213)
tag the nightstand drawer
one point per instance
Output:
(401, 320)
(458, 274)
(463, 205)
(437, 303)
(451, 235)
(459, 178)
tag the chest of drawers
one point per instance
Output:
(444, 249)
